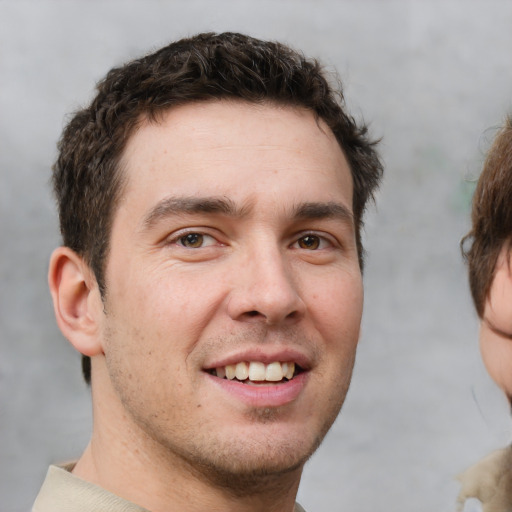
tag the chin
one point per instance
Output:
(245, 466)
(253, 476)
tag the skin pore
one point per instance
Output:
(233, 246)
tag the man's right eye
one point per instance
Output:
(195, 240)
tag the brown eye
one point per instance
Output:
(192, 240)
(309, 242)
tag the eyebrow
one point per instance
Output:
(222, 205)
(329, 210)
(190, 205)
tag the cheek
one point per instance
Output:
(336, 309)
(339, 301)
(154, 330)
(498, 308)
(168, 297)
(497, 356)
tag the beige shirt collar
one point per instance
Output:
(64, 492)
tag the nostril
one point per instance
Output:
(253, 315)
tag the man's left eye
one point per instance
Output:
(195, 240)
(311, 242)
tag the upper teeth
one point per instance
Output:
(257, 371)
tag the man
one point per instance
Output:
(490, 275)
(211, 201)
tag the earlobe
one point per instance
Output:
(76, 301)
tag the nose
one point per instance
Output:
(265, 290)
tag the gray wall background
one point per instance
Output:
(433, 78)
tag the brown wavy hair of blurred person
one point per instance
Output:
(88, 178)
(491, 217)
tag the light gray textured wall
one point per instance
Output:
(432, 77)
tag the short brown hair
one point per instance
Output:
(87, 178)
(491, 217)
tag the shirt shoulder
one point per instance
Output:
(488, 484)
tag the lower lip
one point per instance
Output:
(263, 395)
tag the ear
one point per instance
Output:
(496, 325)
(76, 301)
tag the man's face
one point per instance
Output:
(232, 251)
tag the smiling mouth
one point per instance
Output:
(257, 372)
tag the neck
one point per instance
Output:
(161, 489)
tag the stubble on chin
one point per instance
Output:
(265, 470)
(244, 467)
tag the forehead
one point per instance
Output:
(236, 149)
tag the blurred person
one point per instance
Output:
(487, 485)
(211, 201)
